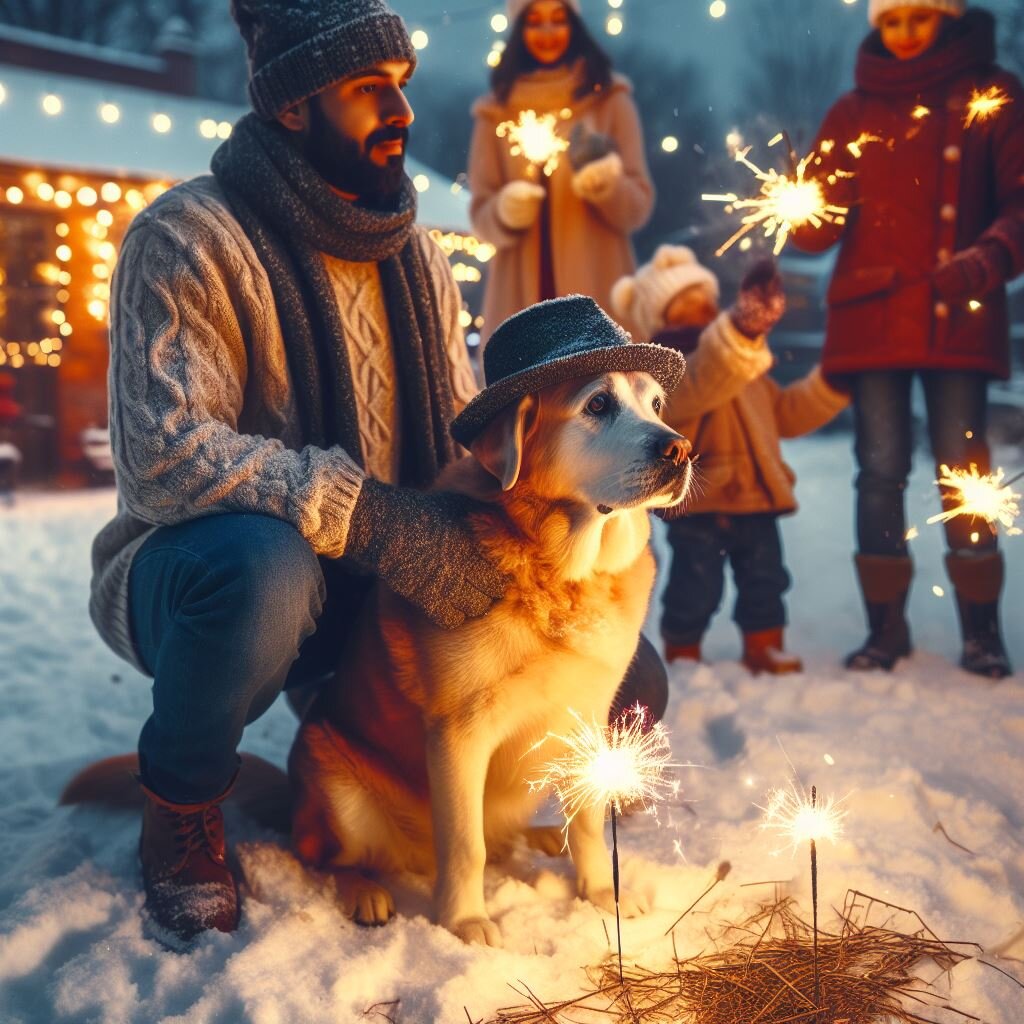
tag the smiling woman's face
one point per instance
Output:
(546, 31)
(909, 31)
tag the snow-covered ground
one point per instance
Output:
(924, 746)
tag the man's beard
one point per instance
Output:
(345, 162)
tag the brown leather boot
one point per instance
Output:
(978, 579)
(189, 887)
(884, 584)
(763, 652)
(682, 652)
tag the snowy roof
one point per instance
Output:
(58, 45)
(78, 137)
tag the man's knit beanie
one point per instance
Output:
(516, 7)
(954, 8)
(642, 298)
(298, 47)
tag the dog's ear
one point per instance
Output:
(499, 446)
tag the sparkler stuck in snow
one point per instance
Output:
(786, 201)
(535, 137)
(985, 103)
(790, 814)
(608, 766)
(980, 496)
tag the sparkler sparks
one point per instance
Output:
(617, 764)
(536, 138)
(985, 103)
(791, 815)
(980, 496)
(856, 148)
(785, 201)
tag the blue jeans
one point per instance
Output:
(957, 406)
(228, 610)
(700, 545)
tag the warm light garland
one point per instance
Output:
(78, 237)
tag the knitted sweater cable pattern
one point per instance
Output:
(203, 418)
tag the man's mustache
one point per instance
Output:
(389, 133)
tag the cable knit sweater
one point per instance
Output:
(203, 418)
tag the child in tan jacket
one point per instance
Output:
(734, 413)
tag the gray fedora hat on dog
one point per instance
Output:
(550, 343)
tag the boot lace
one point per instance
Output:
(199, 832)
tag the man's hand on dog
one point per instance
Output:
(419, 546)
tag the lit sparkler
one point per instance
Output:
(622, 763)
(535, 137)
(980, 496)
(985, 103)
(786, 201)
(790, 814)
(610, 765)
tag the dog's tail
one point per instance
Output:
(261, 791)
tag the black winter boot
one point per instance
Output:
(189, 886)
(884, 583)
(977, 579)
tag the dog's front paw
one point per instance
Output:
(365, 901)
(630, 904)
(481, 931)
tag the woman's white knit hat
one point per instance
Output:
(954, 8)
(641, 299)
(516, 7)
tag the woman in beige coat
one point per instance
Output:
(567, 232)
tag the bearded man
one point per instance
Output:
(286, 358)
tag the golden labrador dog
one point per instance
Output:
(417, 758)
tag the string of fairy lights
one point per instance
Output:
(615, 21)
(91, 214)
(80, 265)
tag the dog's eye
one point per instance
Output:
(599, 404)
(656, 405)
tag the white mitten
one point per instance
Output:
(595, 182)
(519, 203)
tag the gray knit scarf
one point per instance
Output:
(291, 215)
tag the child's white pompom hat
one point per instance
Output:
(876, 8)
(516, 7)
(643, 297)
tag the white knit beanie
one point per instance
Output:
(954, 8)
(516, 7)
(644, 297)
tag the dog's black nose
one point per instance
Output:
(675, 448)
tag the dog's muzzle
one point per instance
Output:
(671, 468)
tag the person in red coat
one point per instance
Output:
(935, 229)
